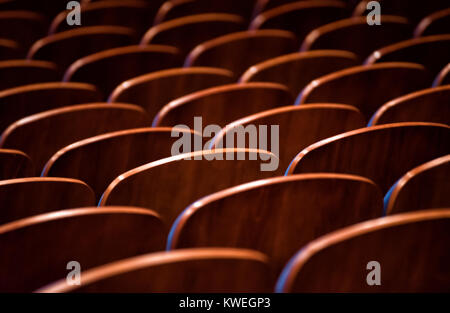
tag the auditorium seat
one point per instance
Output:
(224, 104)
(25, 197)
(9, 49)
(203, 270)
(15, 73)
(443, 77)
(47, 7)
(43, 134)
(40, 247)
(264, 5)
(434, 24)
(428, 105)
(382, 153)
(411, 251)
(276, 216)
(424, 187)
(152, 91)
(296, 70)
(15, 164)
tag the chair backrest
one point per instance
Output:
(15, 73)
(9, 49)
(49, 8)
(19, 102)
(264, 5)
(443, 77)
(343, 261)
(109, 68)
(43, 134)
(276, 216)
(424, 187)
(25, 197)
(382, 153)
(428, 105)
(189, 176)
(434, 24)
(153, 91)
(39, 248)
(360, 85)
(296, 70)
(186, 271)
(223, 105)
(15, 164)
(238, 51)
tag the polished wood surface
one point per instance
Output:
(15, 164)
(15, 73)
(434, 24)
(9, 49)
(40, 247)
(443, 77)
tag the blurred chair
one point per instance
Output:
(15, 164)
(9, 49)
(434, 24)
(443, 77)
(15, 73)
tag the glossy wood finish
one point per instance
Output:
(382, 153)
(428, 105)
(296, 70)
(9, 49)
(40, 247)
(186, 33)
(224, 104)
(424, 187)
(434, 24)
(100, 159)
(107, 69)
(186, 271)
(43, 134)
(443, 77)
(355, 35)
(276, 216)
(337, 262)
(360, 85)
(14, 164)
(19, 102)
(25, 197)
(15, 73)
(238, 51)
(152, 91)
(190, 179)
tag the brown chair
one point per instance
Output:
(361, 86)
(25, 197)
(15, 73)
(424, 187)
(299, 127)
(296, 70)
(49, 8)
(431, 51)
(382, 153)
(224, 104)
(434, 24)
(180, 180)
(19, 102)
(100, 159)
(9, 49)
(443, 77)
(276, 216)
(188, 270)
(238, 51)
(152, 91)
(187, 32)
(40, 248)
(428, 105)
(264, 5)
(355, 35)
(107, 69)
(411, 250)
(67, 47)
(43, 134)
(15, 164)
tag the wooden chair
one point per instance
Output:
(340, 261)
(190, 175)
(424, 187)
(296, 70)
(89, 236)
(107, 69)
(428, 105)
(43, 134)
(66, 47)
(238, 51)
(15, 73)
(224, 104)
(382, 153)
(25, 197)
(264, 5)
(49, 8)
(188, 270)
(443, 77)
(434, 24)
(186, 33)
(152, 91)
(14, 164)
(9, 49)
(100, 159)
(276, 216)
(360, 86)
(299, 127)
(431, 51)
(355, 35)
